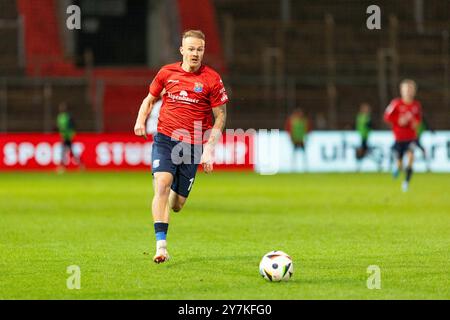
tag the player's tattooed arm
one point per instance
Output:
(144, 111)
(220, 115)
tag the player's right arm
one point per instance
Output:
(390, 112)
(156, 89)
(144, 111)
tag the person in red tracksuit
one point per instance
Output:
(404, 114)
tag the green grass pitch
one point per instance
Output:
(333, 225)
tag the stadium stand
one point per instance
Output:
(9, 63)
(349, 60)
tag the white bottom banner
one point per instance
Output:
(335, 151)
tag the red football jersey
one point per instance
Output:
(186, 111)
(410, 114)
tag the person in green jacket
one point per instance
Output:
(298, 127)
(421, 128)
(364, 127)
(66, 128)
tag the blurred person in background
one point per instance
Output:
(66, 129)
(298, 126)
(404, 114)
(320, 122)
(363, 127)
(422, 127)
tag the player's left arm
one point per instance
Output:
(418, 116)
(220, 116)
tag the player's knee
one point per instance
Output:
(162, 190)
(162, 187)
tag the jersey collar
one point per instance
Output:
(191, 73)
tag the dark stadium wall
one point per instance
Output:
(110, 31)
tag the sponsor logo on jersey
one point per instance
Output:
(198, 87)
(174, 81)
(182, 96)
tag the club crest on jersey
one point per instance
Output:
(198, 87)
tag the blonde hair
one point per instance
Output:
(194, 34)
(409, 82)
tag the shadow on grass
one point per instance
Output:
(241, 259)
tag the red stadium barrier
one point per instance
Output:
(108, 151)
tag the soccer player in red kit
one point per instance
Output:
(186, 136)
(404, 114)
